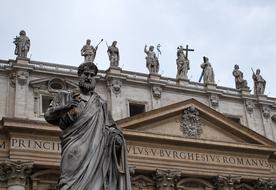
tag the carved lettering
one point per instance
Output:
(40, 145)
(2, 144)
(211, 158)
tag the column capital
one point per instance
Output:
(15, 172)
(166, 179)
(227, 182)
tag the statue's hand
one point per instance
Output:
(74, 103)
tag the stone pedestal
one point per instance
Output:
(114, 70)
(154, 76)
(20, 60)
(211, 86)
(245, 91)
(182, 81)
(262, 97)
(16, 173)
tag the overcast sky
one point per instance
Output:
(229, 32)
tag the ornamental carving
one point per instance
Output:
(266, 111)
(12, 77)
(141, 182)
(116, 86)
(194, 183)
(265, 184)
(167, 179)
(227, 181)
(214, 100)
(22, 77)
(190, 122)
(249, 104)
(15, 172)
(243, 186)
(156, 92)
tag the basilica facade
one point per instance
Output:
(180, 134)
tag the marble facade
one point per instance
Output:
(235, 150)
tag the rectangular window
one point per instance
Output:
(136, 108)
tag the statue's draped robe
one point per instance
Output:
(93, 149)
(209, 76)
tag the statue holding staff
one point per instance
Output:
(207, 72)
(183, 64)
(89, 52)
(259, 82)
(152, 62)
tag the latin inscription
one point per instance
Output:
(145, 151)
(197, 157)
(3, 145)
(40, 145)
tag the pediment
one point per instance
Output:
(193, 121)
(53, 84)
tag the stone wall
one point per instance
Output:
(22, 85)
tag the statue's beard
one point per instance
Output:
(87, 86)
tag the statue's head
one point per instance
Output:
(88, 41)
(236, 66)
(205, 59)
(87, 72)
(151, 48)
(114, 43)
(22, 33)
(258, 71)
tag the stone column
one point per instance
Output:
(226, 182)
(15, 173)
(166, 179)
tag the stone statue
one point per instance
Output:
(151, 60)
(259, 83)
(89, 52)
(207, 72)
(93, 152)
(182, 63)
(22, 45)
(113, 54)
(240, 82)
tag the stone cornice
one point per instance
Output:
(138, 79)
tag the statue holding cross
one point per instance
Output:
(182, 62)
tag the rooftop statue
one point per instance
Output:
(259, 82)
(240, 82)
(89, 52)
(152, 62)
(207, 72)
(93, 152)
(182, 62)
(113, 54)
(22, 45)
